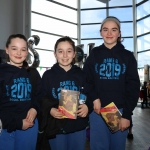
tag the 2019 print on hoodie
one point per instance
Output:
(110, 69)
(20, 90)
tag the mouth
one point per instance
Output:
(65, 60)
(17, 57)
(109, 37)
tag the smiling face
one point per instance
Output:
(17, 51)
(64, 54)
(110, 32)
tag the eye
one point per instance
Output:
(104, 29)
(114, 30)
(23, 49)
(60, 52)
(13, 48)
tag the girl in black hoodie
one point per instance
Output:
(65, 75)
(111, 76)
(18, 107)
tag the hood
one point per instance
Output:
(8, 68)
(117, 47)
(57, 69)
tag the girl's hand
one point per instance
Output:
(83, 110)
(26, 124)
(97, 105)
(124, 124)
(56, 113)
(31, 115)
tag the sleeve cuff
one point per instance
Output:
(126, 115)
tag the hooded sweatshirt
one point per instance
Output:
(57, 78)
(111, 76)
(16, 95)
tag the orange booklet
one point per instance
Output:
(68, 103)
(111, 116)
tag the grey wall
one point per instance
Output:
(14, 18)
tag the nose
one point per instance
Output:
(65, 54)
(109, 32)
(18, 52)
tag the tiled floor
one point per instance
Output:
(141, 130)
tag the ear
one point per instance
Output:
(6, 49)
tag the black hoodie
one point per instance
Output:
(54, 80)
(111, 75)
(16, 95)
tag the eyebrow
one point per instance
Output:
(112, 28)
(62, 49)
(16, 46)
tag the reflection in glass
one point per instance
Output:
(53, 26)
(91, 4)
(55, 10)
(119, 3)
(90, 31)
(86, 42)
(143, 26)
(143, 10)
(143, 42)
(143, 59)
(93, 16)
(128, 44)
(71, 3)
(123, 14)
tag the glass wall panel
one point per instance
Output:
(123, 14)
(91, 4)
(141, 75)
(93, 16)
(53, 26)
(86, 42)
(71, 3)
(143, 42)
(138, 1)
(90, 31)
(143, 59)
(47, 58)
(120, 3)
(55, 10)
(143, 10)
(143, 26)
(47, 41)
(126, 29)
(128, 44)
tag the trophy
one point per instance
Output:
(33, 56)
